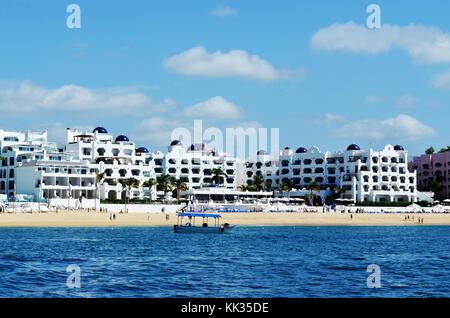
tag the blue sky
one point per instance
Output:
(313, 70)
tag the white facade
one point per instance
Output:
(365, 175)
(36, 167)
(195, 165)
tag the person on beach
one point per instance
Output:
(163, 209)
(110, 216)
(114, 216)
(351, 216)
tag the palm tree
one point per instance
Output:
(179, 185)
(258, 182)
(429, 151)
(99, 177)
(164, 182)
(150, 183)
(313, 186)
(287, 184)
(268, 185)
(218, 174)
(243, 188)
(130, 182)
(339, 191)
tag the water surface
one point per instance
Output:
(297, 261)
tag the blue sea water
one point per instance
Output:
(251, 262)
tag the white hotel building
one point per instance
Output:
(365, 175)
(35, 168)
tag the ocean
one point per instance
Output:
(256, 262)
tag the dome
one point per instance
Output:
(301, 150)
(193, 148)
(353, 147)
(175, 143)
(287, 148)
(100, 130)
(261, 152)
(398, 148)
(143, 150)
(122, 138)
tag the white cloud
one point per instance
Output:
(328, 118)
(402, 127)
(374, 99)
(441, 81)
(18, 97)
(156, 130)
(224, 11)
(236, 63)
(214, 108)
(423, 43)
(406, 101)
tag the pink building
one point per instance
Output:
(435, 167)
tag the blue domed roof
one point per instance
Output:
(353, 147)
(193, 148)
(262, 152)
(301, 150)
(122, 138)
(100, 130)
(175, 143)
(398, 148)
(143, 150)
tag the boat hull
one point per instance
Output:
(199, 229)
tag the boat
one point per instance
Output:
(204, 227)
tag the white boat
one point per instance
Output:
(203, 226)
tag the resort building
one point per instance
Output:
(68, 174)
(360, 175)
(37, 169)
(196, 164)
(433, 173)
(117, 158)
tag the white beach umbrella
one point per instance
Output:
(414, 207)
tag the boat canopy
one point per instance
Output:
(204, 215)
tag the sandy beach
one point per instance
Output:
(87, 219)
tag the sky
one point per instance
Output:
(314, 70)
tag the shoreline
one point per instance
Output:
(102, 219)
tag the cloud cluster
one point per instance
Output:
(441, 81)
(403, 127)
(18, 97)
(224, 11)
(236, 63)
(216, 107)
(160, 117)
(423, 43)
